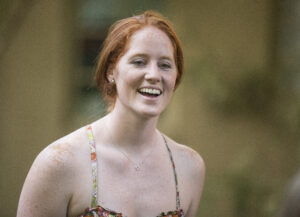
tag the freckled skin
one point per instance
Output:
(61, 151)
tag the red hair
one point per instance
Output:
(115, 46)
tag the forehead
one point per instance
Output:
(150, 40)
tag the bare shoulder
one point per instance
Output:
(62, 153)
(49, 184)
(187, 157)
(190, 169)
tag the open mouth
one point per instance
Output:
(151, 92)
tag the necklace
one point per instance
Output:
(137, 166)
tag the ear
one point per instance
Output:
(110, 75)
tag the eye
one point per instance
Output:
(139, 62)
(165, 65)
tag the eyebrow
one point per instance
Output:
(138, 55)
(145, 56)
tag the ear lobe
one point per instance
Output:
(110, 75)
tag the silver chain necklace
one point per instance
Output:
(137, 166)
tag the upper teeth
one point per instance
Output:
(150, 90)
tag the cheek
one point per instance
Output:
(133, 76)
(128, 81)
(171, 80)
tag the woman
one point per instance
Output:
(122, 162)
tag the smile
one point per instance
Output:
(150, 91)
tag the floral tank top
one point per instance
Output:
(99, 211)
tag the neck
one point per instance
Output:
(129, 130)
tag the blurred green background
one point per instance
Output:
(238, 104)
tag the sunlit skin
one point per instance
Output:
(59, 182)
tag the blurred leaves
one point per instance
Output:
(255, 92)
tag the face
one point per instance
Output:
(145, 75)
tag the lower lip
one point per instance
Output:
(150, 98)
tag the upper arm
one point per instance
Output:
(47, 188)
(198, 176)
(194, 173)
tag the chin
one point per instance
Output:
(150, 113)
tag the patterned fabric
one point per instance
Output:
(99, 211)
(176, 213)
(94, 164)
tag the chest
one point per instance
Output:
(150, 188)
(121, 187)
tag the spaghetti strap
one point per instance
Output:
(92, 145)
(175, 174)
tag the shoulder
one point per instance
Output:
(188, 160)
(59, 159)
(62, 153)
(186, 154)
(51, 179)
(190, 169)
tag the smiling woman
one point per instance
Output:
(121, 161)
(116, 44)
(145, 75)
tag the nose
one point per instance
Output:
(153, 74)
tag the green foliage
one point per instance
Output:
(245, 91)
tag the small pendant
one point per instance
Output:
(137, 168)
